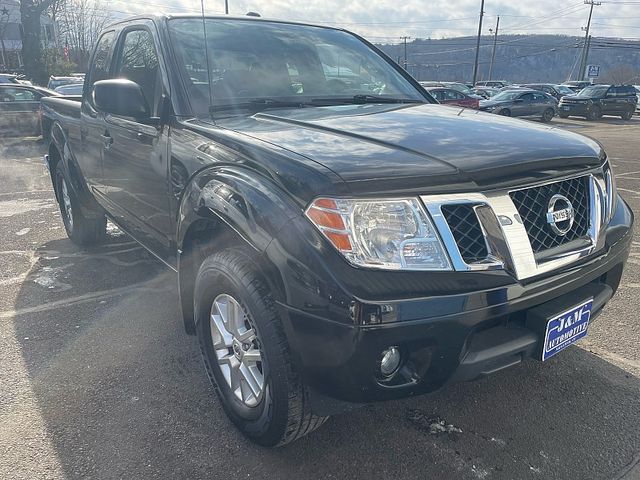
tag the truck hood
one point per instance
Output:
(402, 148)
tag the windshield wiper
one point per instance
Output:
(256, 105)
(362, 99)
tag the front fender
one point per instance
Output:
(251, 205)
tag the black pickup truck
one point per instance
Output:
(339, 238)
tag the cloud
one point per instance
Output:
(387, 20)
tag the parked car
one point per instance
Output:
(556, 91)
(55, 82)
(597, 100)
(577, 85)
(70, 89)
(449, 96)
(485, 92)
(20, 109)
(521, 103)
(493, 83)
(331, 257)
(460, 87)
(637, 87)
(8, 78)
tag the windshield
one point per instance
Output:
(250, 60)
(503, 96)
(598, 91)
(563, 90)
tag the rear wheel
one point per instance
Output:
(81, 229)
(548, 115)
(627, 115)
(246, 352)
(595, 113)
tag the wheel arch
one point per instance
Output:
(223, 209)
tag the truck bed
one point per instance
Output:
(63, 109)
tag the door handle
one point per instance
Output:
(107, 139)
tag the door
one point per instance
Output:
(90, 150)
(523, 105)
(611, 103)
(19, 111)
(540, 103)
(135, 153)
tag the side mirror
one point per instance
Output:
(121, 97)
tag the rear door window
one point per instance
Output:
(14, 95)
(101, 62)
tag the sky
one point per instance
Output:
(385, 21)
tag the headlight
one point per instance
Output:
(611, 194)
(380, 233)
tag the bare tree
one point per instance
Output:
(30, 12)
(620, 75)
(79, 24)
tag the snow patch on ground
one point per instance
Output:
(9, 208)
(22, 232)
(433, 424)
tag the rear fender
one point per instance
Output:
(60, 149)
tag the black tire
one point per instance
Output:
(548, 115)
(81, 229)
(627, 115)
(595, 113)
(505, 112)
(283, 413)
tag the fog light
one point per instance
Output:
(390, 361)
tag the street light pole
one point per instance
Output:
(226, 7)
(493, 54)
(475, 64)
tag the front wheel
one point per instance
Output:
(627, 115)
(505, 112)
(595, 113)
(246, 353)
(548, 115)
(81, 229)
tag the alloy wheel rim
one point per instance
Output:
(237, 350)
(66, 201)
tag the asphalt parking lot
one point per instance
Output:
(98, 380)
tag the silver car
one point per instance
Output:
(522, 103)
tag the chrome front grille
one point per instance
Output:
(532, 205)
(466, 230)
(514, 229)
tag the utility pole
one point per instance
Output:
(585, 47)
(493, 54)
(405, 50)
(226, 7)
(475, 64)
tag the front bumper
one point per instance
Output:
(576, 109)
(444, 337)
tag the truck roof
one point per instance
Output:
(163, 17)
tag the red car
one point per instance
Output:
(449, 96)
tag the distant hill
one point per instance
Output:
(519, 58)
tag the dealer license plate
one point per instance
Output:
(566, 328)
(566, 108)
